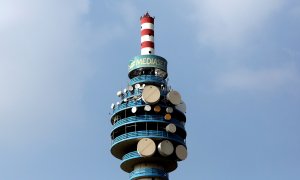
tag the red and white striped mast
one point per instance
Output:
(147, 34)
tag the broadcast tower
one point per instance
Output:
(148, 132)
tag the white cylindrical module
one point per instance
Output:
(133, 109)
(146, 147)
(119, 93)
(137, 86)
(165, 148)
(147, 34)
(130, 88)
(171, 128)
(181, 152)
(142, 86)
(151, 94)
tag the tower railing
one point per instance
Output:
(148, 79)
(128, 105)
(149, 172)
(146, 118)
(131, 155)
(149, 134)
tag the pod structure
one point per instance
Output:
(148, 133)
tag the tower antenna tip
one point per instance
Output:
(147, 15)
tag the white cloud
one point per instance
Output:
(229, 26)
(268, 80)
(230, 23)
(42, 67)
(128, 11)
(295, 11)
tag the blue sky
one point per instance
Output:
(236, 64)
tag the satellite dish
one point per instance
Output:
(151, 94)
(125, 90)
(181, 107)
(146, 147)
(125, 100)
(181, 152)
(137, 86)
(119, 93)
(147, 108)
(165, 148)
(133, 109)
(157, 108)
(169, 109)
(112, 106)
(171, 128)
(118, 103)
(130, 88)
(174, 97)
(168, 117)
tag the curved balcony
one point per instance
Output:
(140, 103)
(138, 92)
(147, 79)
(130, 159)
(148, 134)
(127, 105)
(148, 172)
(145, 118)
(131, 155)
(130, 94)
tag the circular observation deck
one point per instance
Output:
(130, 159)
(149, 172)
(146, 118)
(147, 79)
(121, 143)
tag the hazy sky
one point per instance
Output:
(236, 64)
